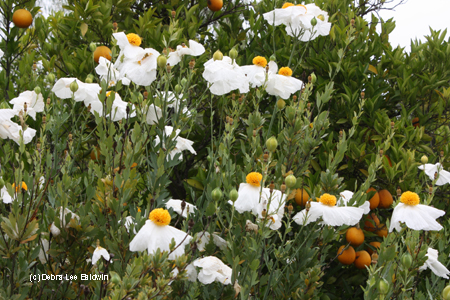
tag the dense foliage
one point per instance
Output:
(366, 115)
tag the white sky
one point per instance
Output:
(413, 19)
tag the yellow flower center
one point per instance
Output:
(287, 4)
(260, 61)
(254, 178)
(410, 198)
(321, 17)
(22, 186)
(108, 93)
(134, 39)
(285, 71)
(160, 217)
(328, 199)
(139, 209)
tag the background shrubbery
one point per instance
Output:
(371, 114)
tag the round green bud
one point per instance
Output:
(183, 81)
(273, 57)
(178, 89)
(234, 195)
(92, 46)
(115, 278)
(313, 78)
(216, 194)
(90, 76)
(51, 77)
(446, 293)
(272, 144)
(88, 80)
(281, 104)
(383, 286)
(314, 21)
(218, 55)
(407, 260)
(37, 90)
(290, 181)
(233, 53)
(424, 159)
(161, 61)
(74, 86)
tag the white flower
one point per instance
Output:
(44, 246)
(225, 76)
(11, 130)
(62, 217)
(157, 234)
(176, 206)
(194, 49)
(181, 143)
(213, 269)
(331, 214)
(128, 222)
(282, 84)
(433, 263)
(297, 19)
(87, 92)
(345, 198)
(137, 64)
(191, 273)
(430, 170)
(6, 197)
(108, 73)
(99, 252)
(415, 216)
(154, 114)
(1, 53)
(204, 238)
(35, 103)
(173, 101)
(119, 108)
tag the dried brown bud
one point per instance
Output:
(352, 22)
(290, 208)
(430, 190)
(145, 95)
(283, 188)
(254, 132)
(271, 186)
(267, 68)
(266, 156)
(308, 106)
(192, 64)
(231, 121)
(48, 101)
(294, 98)
(442, 153)
(399, 192)
(164, 51)
(264, 213)
(363, 95)
(25, 107)
(183, 205)
(168, 68)
(70, 137)
(309, 78)
(191, 224)
(174, 14)
(44, 119)
(34, 66)
(341, 133)
(227, 119)
(381, 153)
(38, 145)
(435, 175)
(115, 26)
(374, 258)
(308, 206)
(233, 96)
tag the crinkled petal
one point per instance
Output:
(7, 199)
(338, 216)
(416, 217)
(248, 198)
(175, 204)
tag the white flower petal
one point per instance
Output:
(99, 252)
(433, 263)
(416, 217)
(213, 269)
(175, 204)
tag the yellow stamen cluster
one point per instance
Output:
(260, 61)
(254, 178)
(108, 93)
(410, 198)
(287, 4)
(285, 71)
(134, 39)
(160, 217)
(328, 199)
(21, 186)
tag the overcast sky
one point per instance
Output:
(412, 19)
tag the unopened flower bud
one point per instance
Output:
(399, 192)
(233, 53)
(446, 293)
(441, 153)
(264, 213)
(381, 153)
(216, 194)
(407, 260)
(145, 94)
(51, 77)
(25, 107)
(363, 95)
(183, 81)
(272, 144)
(37, 90)
(89, 80)
(34, 66)
(424, 159)
(281, 104)
(115, 26)
(308, 106)
(341, 134)
(168, 68)
(392, 125)
(218, 55)
(174, 14)
(38, 146)
(161, 61)
(70, 137)
(383, 286)
(92, 46)
(234, 195)
(352, 22)
(313, 21)
(178, 88)
(74, 86)
(294, 98)
(374, 257)
(290, 181)
(283, 188)
(313, 78)
(266, 156)
(271, 187)
(430, 190)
